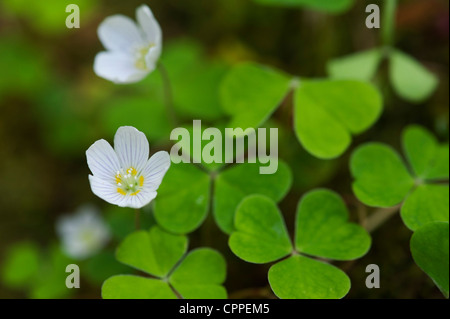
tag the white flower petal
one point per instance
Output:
(107, 191)
(152, 58)
(131, 147)
(140, 200)
(102, 160)
(120, 33)
(154, 171)
(118, 67)
(149, 25)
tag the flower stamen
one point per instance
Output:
(128, 182)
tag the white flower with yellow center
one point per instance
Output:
(132, 49)
(82, 234)
(125, 176)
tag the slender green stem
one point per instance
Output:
(389, 17)
(168, 95)
(137, 219)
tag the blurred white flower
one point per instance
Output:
(133, 49)
(124, 176)
(84, 233)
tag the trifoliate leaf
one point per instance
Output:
(183, 200)
(323, 229)
(360, 66)
(134, 287)
(261, 235)
(333, 6)
(301, 277)
(430, 250)
(427, 203)
(381, 178)
(200, 275)
(428, 159)
(410, 79)
(155, 252)
(250, 93)
(233, 184)
(327, 113)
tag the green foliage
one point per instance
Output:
(322, 230)
(184, 196)
(299, 277)
(191, 72)
(326, 114)
(333, 6)
(382, 178)
(359, 66)
(197, 275)
(410, 79)
(183, 200)
(261, 235)
(430, 250)
(250, 93)
(237, 182)
(21, 264)
(49, 16)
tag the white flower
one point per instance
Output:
(124, 176)
(84, 233)
(132, 49)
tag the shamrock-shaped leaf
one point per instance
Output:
(234, 184)
(300, 277)
(360, 66)
(430, 250)
(410, 79)
(382, 178)
(184, 199)
(261, 235)
(334, 6)
(322, 230)
(199, 274)
(327, 113)
(251, 93)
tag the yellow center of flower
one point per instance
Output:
(141, 53)
(129, 182)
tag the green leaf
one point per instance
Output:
(301, 277)
(326, 114)
(191, 72)
(410, 79)
(360, 66)
(381, 178)
(323, 229)
(183, 200)
(200, 275)
(234, 184)
(147, 114)
(261, 235)
(426, 204)
(102, 266)
(430, 250)
(51, 280)
(250, 93)
(428, 159)
(155, 252)
(333, 6)
(134, 287)
(20, 265)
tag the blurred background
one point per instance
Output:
(53, 107)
